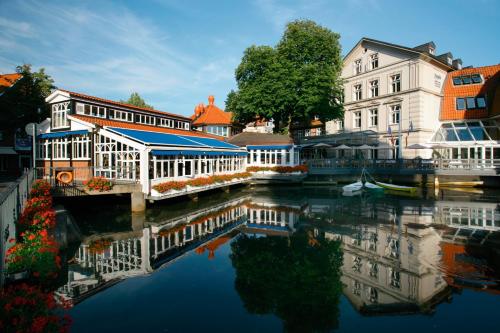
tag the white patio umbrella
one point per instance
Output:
(343, 147)
(419, 146)
(364, 146)
(322, 145)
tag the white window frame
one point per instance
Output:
(374, 88)
(60, 115)
(395, 114)
(358, 66)
(145, 119)
(357, 94)
(80, 147)
(356, 119)
(121, 115)
(373, 117)
(395, 83)
(374, 61)
(340, 125)
(60, 148)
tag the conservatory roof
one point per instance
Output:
(468, 131)
(164, 139)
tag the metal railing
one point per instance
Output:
(412, 164)
(12, 202)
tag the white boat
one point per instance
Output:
(354, 187)
(371, 186)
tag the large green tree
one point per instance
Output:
(25, 101)
(137, 100)
(295, 81)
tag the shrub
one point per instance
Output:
(100, 184)
(26, 308)
(202, 181)
(33, 206)
(43, 220)
(40, 188)
(279, 169)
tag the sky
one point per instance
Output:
(176, 53)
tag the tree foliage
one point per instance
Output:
(136, 100)
(292, 82)
(25, 101)
(297, 279)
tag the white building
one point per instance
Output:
(391, 89)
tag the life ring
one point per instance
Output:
(65, 177)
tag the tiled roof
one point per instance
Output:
(8, 80)
(250, 138)
(129, 106)
(491, 75)
(141, 127)
(211, 115)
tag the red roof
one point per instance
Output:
(129, 106)
(451, 92)
(211, 114)
(141, 127)
(8, 80)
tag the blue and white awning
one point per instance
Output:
(157, 152)
(263, 147)
(61, 134)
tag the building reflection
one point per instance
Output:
(399, 256)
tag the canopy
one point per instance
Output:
(322, 145)
(270, 147)
(7, 151)
(61, 134)
(342, 147)
(365, 146)
(158, 152)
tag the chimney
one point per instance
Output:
(457, 63)
(211, 100)
(428, 47)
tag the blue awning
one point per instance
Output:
(196, 153)
(270, 147)
(158, 138)
(61, 134)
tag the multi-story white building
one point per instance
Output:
(390, 89)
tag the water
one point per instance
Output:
(288, 259)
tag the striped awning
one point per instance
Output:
(61, 134)
(269, 147)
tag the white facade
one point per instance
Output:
(387, 86)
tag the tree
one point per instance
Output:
(296, 278)
(292, 82)
(136, 100)
(25, 101)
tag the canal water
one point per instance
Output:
(297, 259)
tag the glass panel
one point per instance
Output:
(481, 102)
(493, 132)
(464, 134)
(476, 78)
(466, 79)
(471, 103)
(460, 104)
(449, 135)
(478, 133)
(457, 80)
(446, 125)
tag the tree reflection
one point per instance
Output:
(295, 278)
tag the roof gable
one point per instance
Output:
(7, 81)
(211, 115)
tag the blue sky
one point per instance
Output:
(176, 53)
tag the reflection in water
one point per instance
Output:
(294, 252)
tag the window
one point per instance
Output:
(357, 92)
(457, 80)
(460, 103)
(471, 103)
(60, 115)
(144, 119)
(81, 147)
(374, 61)
(357, 66)
(340, 125)
(476, 78)
(481, 102)
(60, 148)
(357, 119)
(121, 115)
(373, 117)
(164, 122)
(218, 130)
(91, 110)
(374, 88)
(44, 150)
(395, 114)
(395, 83)
(466, 79)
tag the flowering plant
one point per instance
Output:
(27, 308)
(43, 220)
(202, 181)
(279, 169)
(167, 186)
(100, 184)
(37, 253)
(40, 188)
(33, 206)
(100, 245)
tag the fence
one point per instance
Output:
(12, 201)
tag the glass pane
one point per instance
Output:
(446, 125)
(450, 135)
(460, 104)
(464, 134)
(493, 132)
(471, 103)
(466, 79)
(457, 80)
(478, 133)
(476, 78)
(481, 102)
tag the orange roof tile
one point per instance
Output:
(141, 127)
(211, 115)
(8, 80)
(102, 100)
(451, 92)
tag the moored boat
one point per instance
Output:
(397, 187)
(354, 187)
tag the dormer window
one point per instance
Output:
(431, 50)
(357, 66)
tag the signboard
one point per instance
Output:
(22, 141)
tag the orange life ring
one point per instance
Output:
(65, 177)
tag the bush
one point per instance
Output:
(202, 181)
(40, 188)
(33, 206)
(279, 169)
(100, 184)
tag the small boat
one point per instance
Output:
(397, 187)
(354, 187)
(372, 187)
